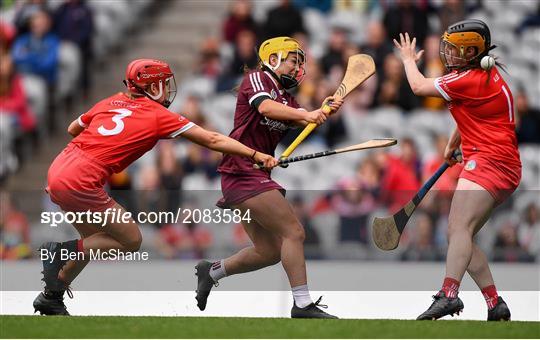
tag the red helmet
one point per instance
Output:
(141, 73)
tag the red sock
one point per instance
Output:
(491, 296)
(450, 287)
(80, 247)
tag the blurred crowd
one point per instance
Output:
(336, 199)
(29, 73)
(47, 52)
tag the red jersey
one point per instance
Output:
(483, 107)
(252, 128)
(119, 130)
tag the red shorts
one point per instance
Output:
(500, 179)
(75, 181)
(237, 188)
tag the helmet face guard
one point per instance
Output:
(169, 87)
(170, 84)
(452, 56)
(289, 81)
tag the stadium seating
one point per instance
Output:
(112, 19)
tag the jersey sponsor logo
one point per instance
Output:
(471, 165)
(274, 124)
(122, 103)
(264, 181)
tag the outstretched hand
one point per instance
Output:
(407, 48)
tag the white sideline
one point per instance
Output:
(525, 306)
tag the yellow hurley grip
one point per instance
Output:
(307, 130)
(326, 109)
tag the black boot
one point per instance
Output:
(500, 312)
(51, 303)
(311, 311)
(442, 306)
(204, 283)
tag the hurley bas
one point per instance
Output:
(94, 255)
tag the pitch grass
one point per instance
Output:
(192, 327)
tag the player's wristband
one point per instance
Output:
(254, 153)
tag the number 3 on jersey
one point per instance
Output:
(117, 119)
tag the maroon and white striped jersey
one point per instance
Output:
(251, 127)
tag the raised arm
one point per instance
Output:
(420, 85)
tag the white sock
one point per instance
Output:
(217, 271)
(301, 296)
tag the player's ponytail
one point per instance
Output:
(246, 69)
(499, 64)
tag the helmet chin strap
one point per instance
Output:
(274, 68)
(160, 93)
